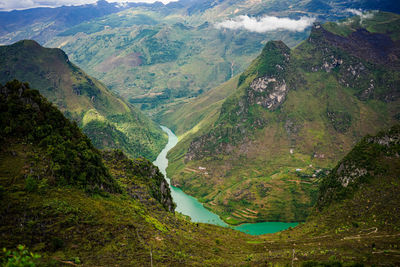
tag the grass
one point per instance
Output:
(63, 224)
(319, 122)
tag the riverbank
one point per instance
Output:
(191, 207)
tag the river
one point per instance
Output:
(189, 205)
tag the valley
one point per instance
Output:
(123, 214)
(189, 206)
(159, 58)
(200, 133)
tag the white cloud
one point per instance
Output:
(266, 24)
(362, 14)
(25, 4)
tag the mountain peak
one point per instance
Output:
(28, 43)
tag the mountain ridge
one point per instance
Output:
(105, 118)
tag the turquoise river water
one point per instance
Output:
(188, 205)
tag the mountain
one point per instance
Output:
(43, 23)
(268, 136)
(155, 60)
(105, 118)
(159, 58)
(121, 211)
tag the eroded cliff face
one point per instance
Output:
(270, 90)
(264, 85)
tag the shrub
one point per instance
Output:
(31, 184)
(19, 258)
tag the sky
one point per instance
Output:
(24, 4)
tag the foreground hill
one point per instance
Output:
(260, 146)
(75, 205)
(105, 118)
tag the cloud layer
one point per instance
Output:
(266, 24)
(25, 4)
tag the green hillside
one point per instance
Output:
(161, 57)
(105, 118)
(291, 115)
(122, 213)
(356, 215)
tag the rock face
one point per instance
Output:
(264, 85)
(221, 140)
(159, 186)
(268, 92)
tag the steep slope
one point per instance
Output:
(63, 154)
(293, 114)
(105, 118)
(122, 215)
(155, 60)
(159, 57)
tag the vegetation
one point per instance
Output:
(370, 158)
(185, 54)
(108, 121)
(271, 160)
(67, 226)
(67, 156)
(19, 258)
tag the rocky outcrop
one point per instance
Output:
(219, 141)
(141, 179)
(237, 120)
(159, 187)
(269, 89)
(267, 92)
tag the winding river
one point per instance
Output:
(188, 205)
